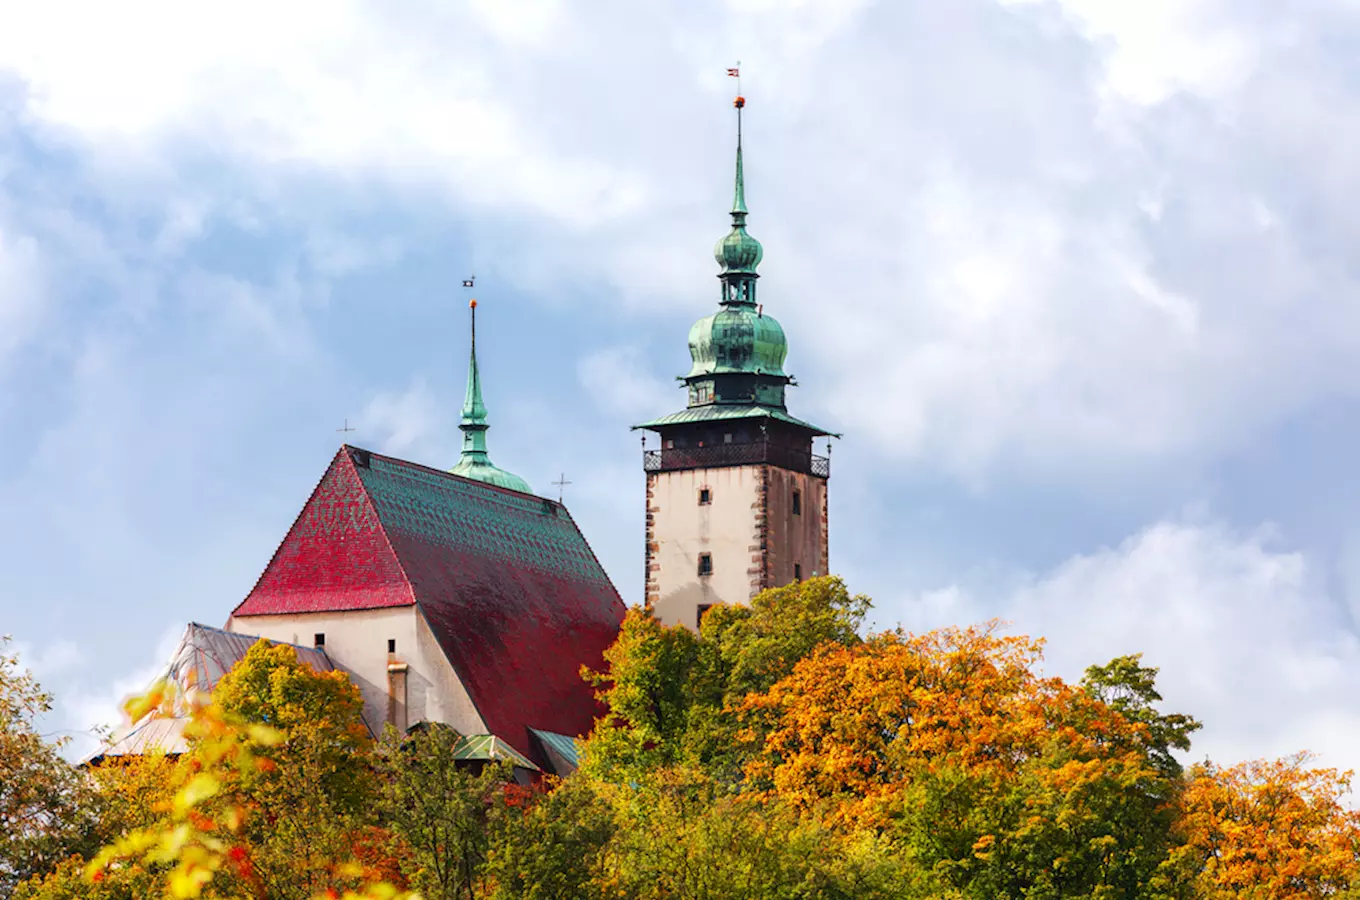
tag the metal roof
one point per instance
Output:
(489, 747)
(204, 654)
(561, 744)
(718, 412)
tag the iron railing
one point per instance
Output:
(719, 455)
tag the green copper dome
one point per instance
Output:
(475, 463)
(738, 252)
(737, 339)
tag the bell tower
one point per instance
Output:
(736, 498)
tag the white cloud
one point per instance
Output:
(412, 423)
(21, 289)
(617, 380)
(1009, 223)
(88, 705)
(1245, 634)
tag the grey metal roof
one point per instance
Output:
(204, 654)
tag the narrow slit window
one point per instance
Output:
(699, 615)
(797, 572)
(319, 639)
(705, 496)
(797, 503)
(705, 563)
(391, 645)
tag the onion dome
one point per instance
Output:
(737, 339)
(475, 463)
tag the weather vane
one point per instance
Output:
(735, 72)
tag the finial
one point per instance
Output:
(739, 195)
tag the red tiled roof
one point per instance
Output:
(508, 584)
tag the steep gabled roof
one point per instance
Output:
(508, 585)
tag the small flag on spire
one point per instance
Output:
(735, 72)
(467, 282)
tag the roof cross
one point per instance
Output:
(345, 427)
(561, 484)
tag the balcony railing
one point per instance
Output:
(719, 455)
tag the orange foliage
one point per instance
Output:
(854, 723)
(1270, 829)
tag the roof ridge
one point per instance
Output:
(433, 471)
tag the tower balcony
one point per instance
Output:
(718, 456)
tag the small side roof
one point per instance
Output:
(204, 654)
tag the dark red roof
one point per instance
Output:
(507, 582)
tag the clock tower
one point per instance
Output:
(736, 497)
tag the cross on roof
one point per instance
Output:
(561, 484)
(345, 427)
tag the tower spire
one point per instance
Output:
(739, 195)
(475, 462)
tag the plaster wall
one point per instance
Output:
(356, 642)
(680, 529)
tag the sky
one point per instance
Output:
(1074, 278)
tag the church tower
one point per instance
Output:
(736, 500)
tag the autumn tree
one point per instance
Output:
(1270, 829)
(307, 798)
(45, 803)
(1005, 783)
(667, 689)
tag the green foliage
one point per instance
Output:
(1129, 688)
(669, 691)
(307, 797)
(557, 848)
(45, 804)
(441, 812)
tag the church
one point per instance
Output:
(459, 596)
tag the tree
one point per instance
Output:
(307, 798)
(1129, 688)
(558, 847)
(442, 813)
(44, 801)
(668, 690)
(1270, 829)
(1004, 783)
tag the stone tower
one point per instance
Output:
(736, 500)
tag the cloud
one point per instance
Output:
(1050, 234)
(21, 289)
(412, 424)
(1245, 633)
(618, 381)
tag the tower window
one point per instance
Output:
(705, 563)
(391, 645)
(797, 572)
(319, 639)
(699, 614)
(705, 496)
(797, 503)
(727, 438)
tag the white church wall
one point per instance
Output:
(682, 529)
(356, 642)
